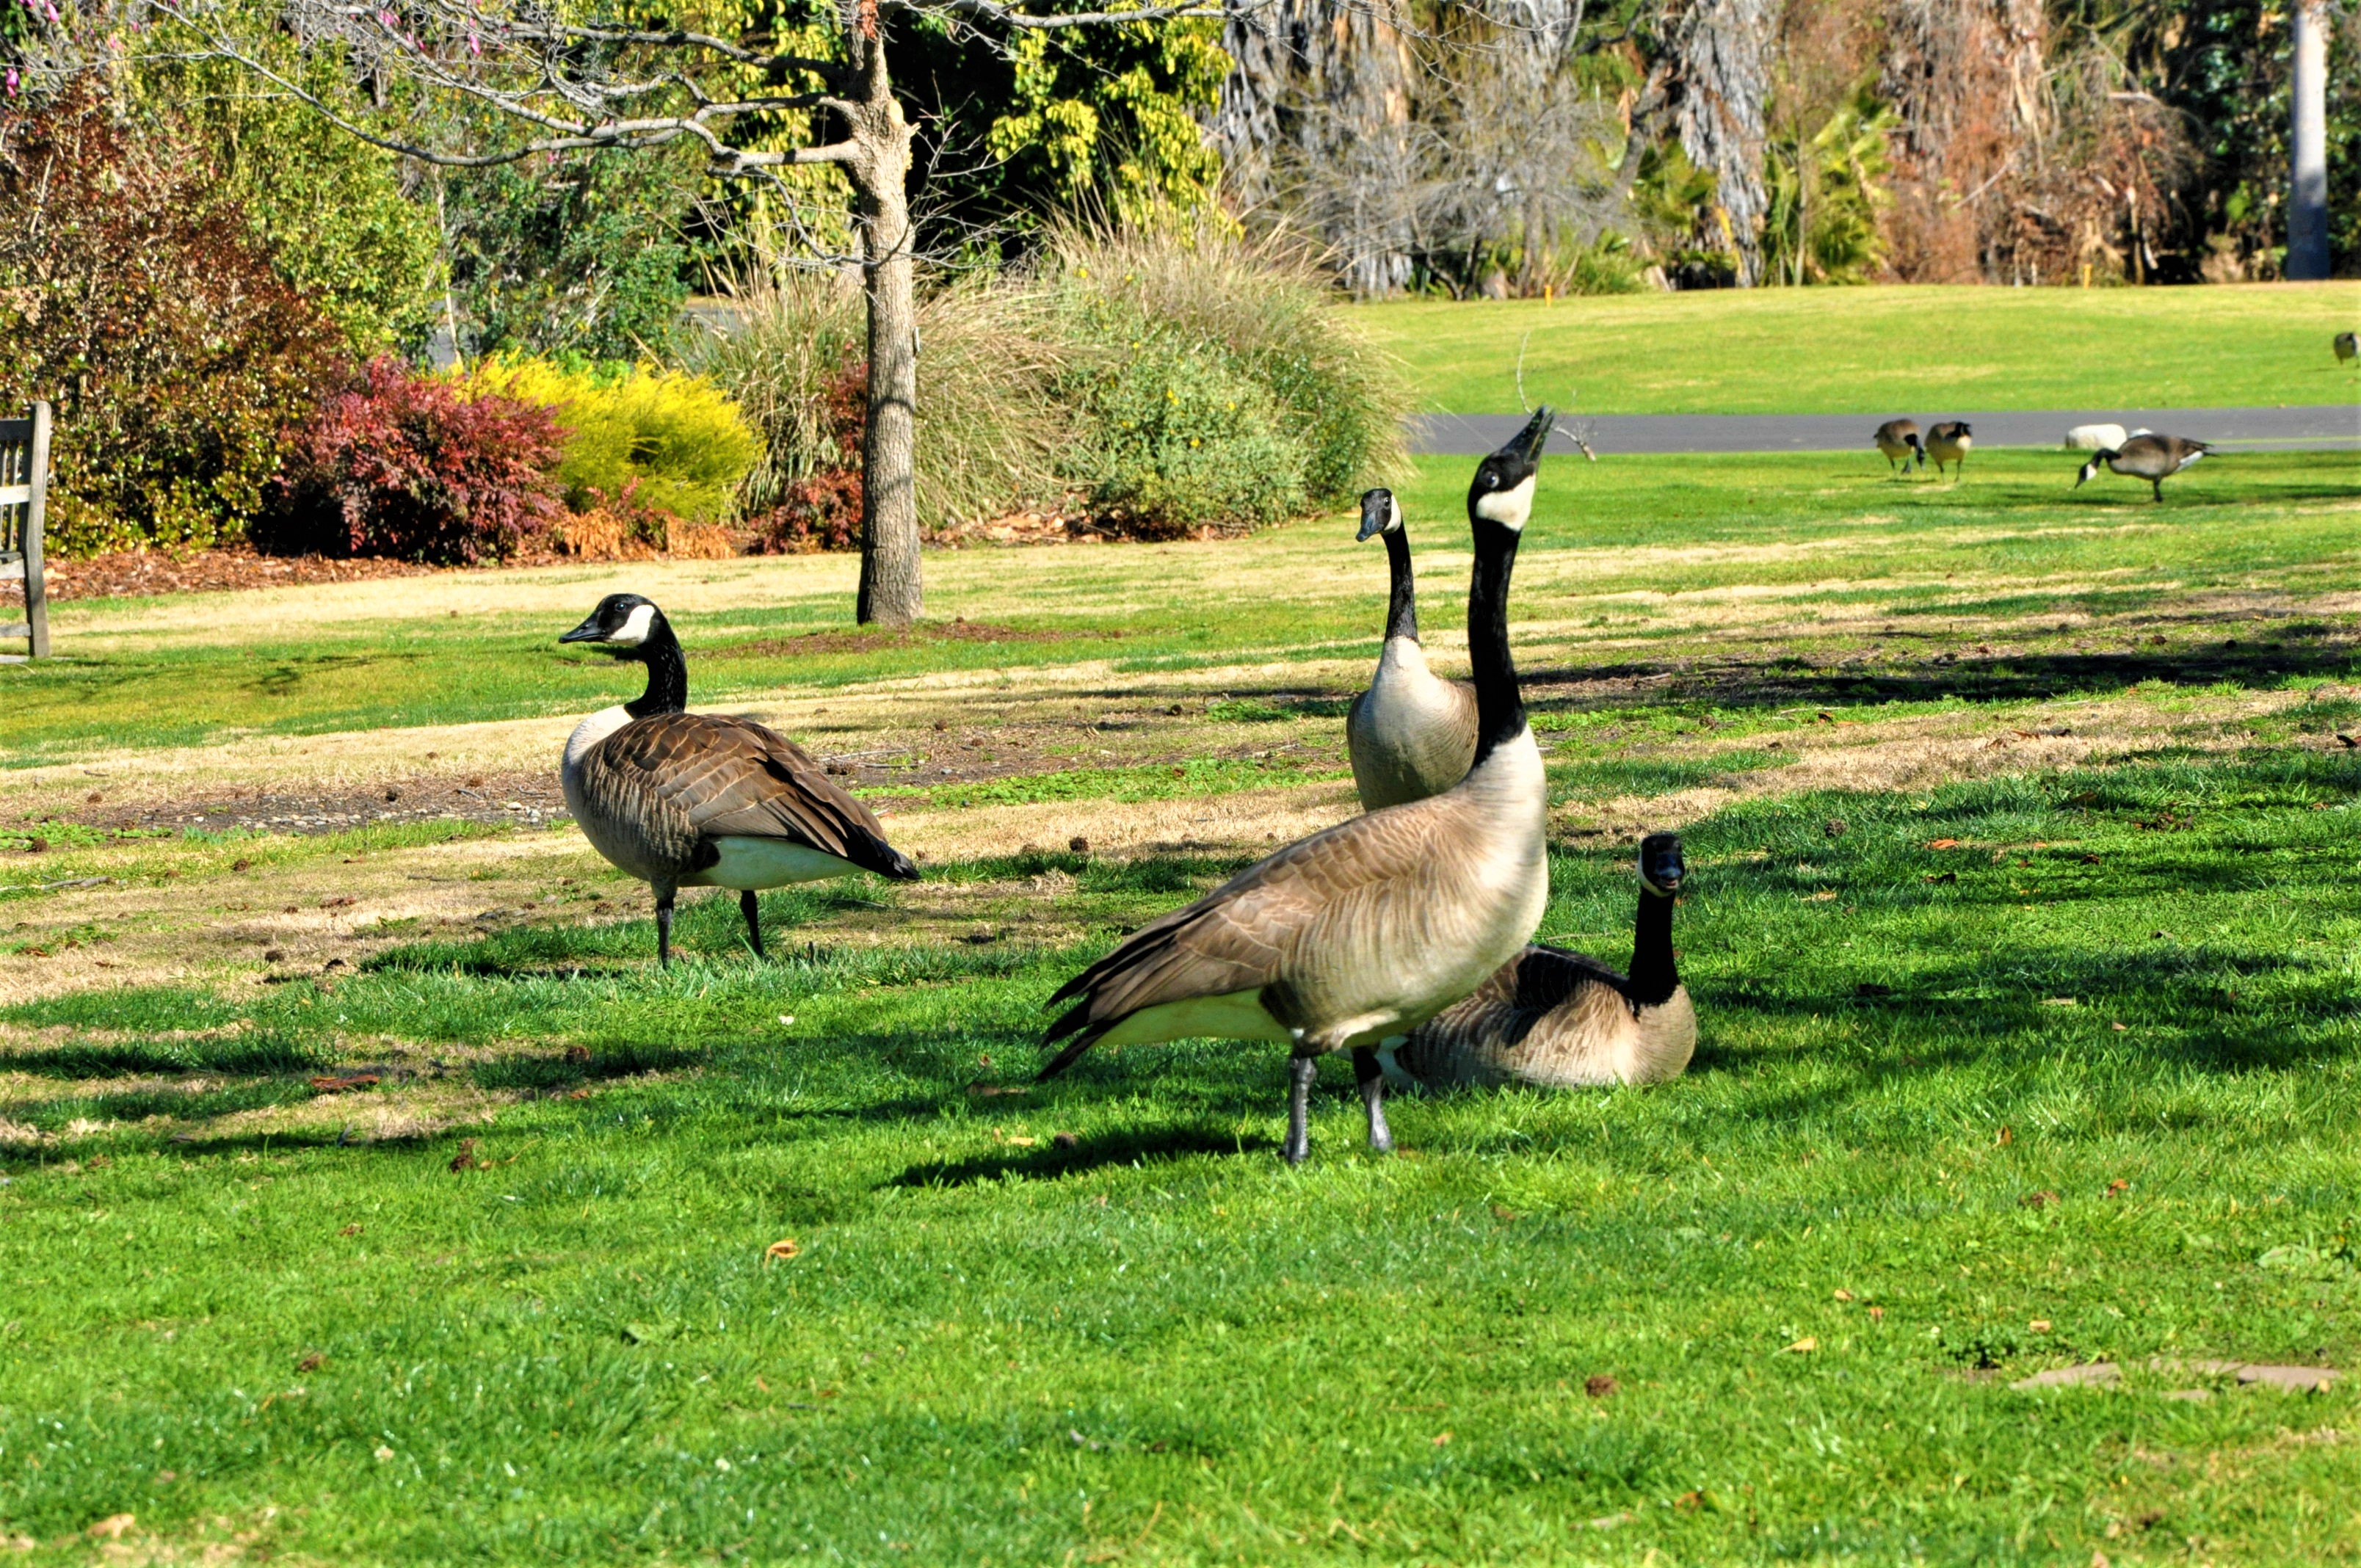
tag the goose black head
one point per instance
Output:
(1661, 866)
(1381, 513)
(622, 622)
(2090, 469)
(1502, 490)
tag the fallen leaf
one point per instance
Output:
(2008, 1134)
(2121, 1028)
(1441, 1438)
(465, 1159)
(1843, 1294)
(1825, 895)
(2040, 1326)
(2118, 1187)
(313, 1362)
(343, 901)
(1505, 1215)
(1689, 1500)
(1804, 1346)
(111, 1526)
(1943, 844)
(352, 1230)
(334, 1085)
(578, 1054)
(2042, 1200)
(1877, 1314)
(784, 1248)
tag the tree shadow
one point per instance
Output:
(1050, 1161)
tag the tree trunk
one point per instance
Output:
(891, 591)
(2307, 252)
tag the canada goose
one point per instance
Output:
(2154, 458)
(2347, 346)
(1899, 439)
(1949, 443)
(1561, 1020)
(689, 800)
(1366, 930)
(1413, 733)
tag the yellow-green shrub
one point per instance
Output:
(674, 443)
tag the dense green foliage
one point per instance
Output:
(142, 305)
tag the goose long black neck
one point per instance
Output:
(1401, 614)
(1500, 705)
(1653, 978)
(667, 672)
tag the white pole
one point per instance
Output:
(2307, 252)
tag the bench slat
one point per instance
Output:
(15, 494)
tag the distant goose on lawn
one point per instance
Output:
(1366, 930)
(1899, 439)
(1561, 1020)
(1413, 733)
(684, 799)
(2155, 458)
(2347, 346)
(1949, 443)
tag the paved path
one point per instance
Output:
(2333, 426)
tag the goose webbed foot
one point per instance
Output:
(1372, 1079)
(751, 909)
(1300, 1071)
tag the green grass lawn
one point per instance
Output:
(1882, 351)
(2021, 930)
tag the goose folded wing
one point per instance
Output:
(1241, 937)
(731, 778)
(1547, 976)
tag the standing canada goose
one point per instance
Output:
(2347, 346)
(1366, 930)
(689, 800)
(2155, 458)
(1561, 1020)
(1949, 443)
(1899, 439)
(1413, 733)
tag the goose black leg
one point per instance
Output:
(664, 929)
(2158, 486)
(752, 912)
(1372, 1079)
(1300, 1070)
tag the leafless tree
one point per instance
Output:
(546, 85)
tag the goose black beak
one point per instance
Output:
(1524, 448)
(1661, 866)
(588, 631)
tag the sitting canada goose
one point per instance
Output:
(1949, 443)
(1413, 733)
(1561, 1020)
(689, 800)
(2347, 346)
(2155, 458)
(1366, 930)
(1899, 439)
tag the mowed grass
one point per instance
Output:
(1917, 350)
(2078, 1084)
(1610, 541)
(2021, 932)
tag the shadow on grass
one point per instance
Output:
(1095, 1153)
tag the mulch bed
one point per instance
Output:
(128, 574)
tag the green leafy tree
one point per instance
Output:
(1825, 196)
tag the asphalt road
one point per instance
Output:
(2334, 426)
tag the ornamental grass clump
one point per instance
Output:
(1216, 380)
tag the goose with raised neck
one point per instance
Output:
(1364, 931)
(1413, 733)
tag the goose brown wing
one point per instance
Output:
(1241, 937)
(729, 777)
(1546, 977)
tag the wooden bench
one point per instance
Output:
(24, 492)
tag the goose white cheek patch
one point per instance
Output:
(634, 631)
(1393, 514)
(1509, 508)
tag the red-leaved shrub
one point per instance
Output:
(408, 465)
(822, 509)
